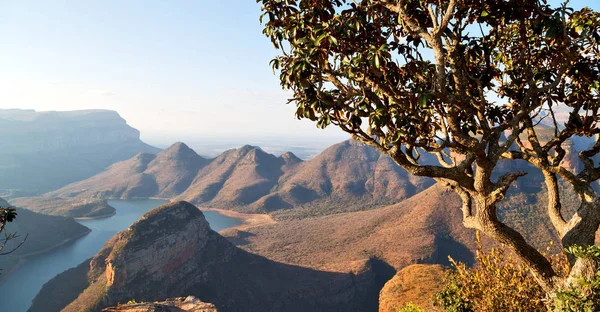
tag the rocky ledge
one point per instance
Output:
(188, 304)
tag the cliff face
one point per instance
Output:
(42, 151)
(28, 131)
(157, 255)
(172, 252)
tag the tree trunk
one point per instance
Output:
(489, 224)
(581, 231)
(582, 227)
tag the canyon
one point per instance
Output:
(171, 252)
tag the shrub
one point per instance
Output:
(583, 294)
(410, 307)
(497, 283)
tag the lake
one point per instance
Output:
(20, 287)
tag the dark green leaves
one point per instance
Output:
(354, 65)
(7, 215)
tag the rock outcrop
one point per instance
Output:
(172, 252)
(188, 304)
(416, 284)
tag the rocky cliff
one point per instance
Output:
(32, 132)
(172, 252)
(188, 304)
(41, 151)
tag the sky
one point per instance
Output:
(174, 69)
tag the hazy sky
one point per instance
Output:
(171, 68)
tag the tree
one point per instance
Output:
(464, 80)
(7, 215)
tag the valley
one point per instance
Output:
(323, 234)
(20, 284)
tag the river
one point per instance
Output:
(21, 286)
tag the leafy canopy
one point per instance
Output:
(433, 74)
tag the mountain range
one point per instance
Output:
(345, 177)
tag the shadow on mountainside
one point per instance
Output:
(247, 282)
(449, 247)
(171, 252)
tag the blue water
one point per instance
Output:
(21, 286)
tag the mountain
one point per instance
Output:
(172, 252)
(165, 174)
(424, 228)
(238, 177)
(42, 151)
(348, 176)
(335, 262)
(43, 234)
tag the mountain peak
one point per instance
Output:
(152, 258)
(290, 158)
(179, 148)
(168, 218)
(178, 208)
(246, 148)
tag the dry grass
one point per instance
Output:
(415, 284)
(401, 234)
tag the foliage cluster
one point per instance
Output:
(7, 215)
(501, 283)
(584, 293)
(497, 283)
(410, 307)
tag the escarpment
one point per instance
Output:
(43, 151)
(171, 252)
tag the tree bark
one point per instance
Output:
(488, 223)
(582, 227)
